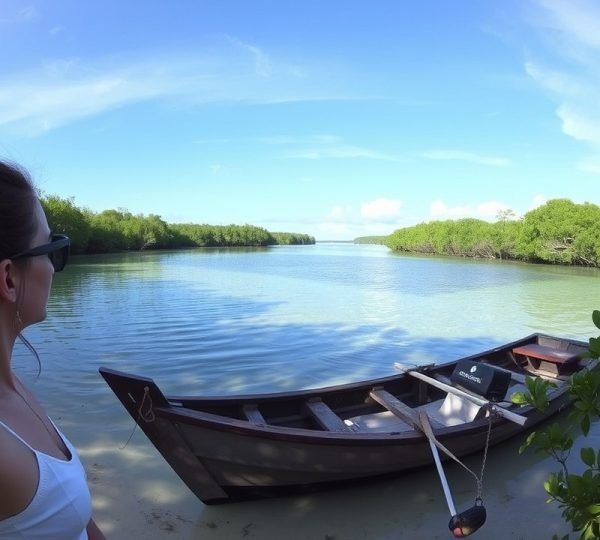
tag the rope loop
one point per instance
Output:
(146, 415)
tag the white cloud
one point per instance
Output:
(340, 213)
(25, 14)
(538, 200)
(378, 217)
(340, 152)
(261, 59)
(578, 19)
(570, 37)
(580, 124)
(459, 155)
(438, 209)
(62, 91)
(489, 210)
(381, 209)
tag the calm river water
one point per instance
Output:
(220, 321)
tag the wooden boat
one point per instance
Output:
(243, 447)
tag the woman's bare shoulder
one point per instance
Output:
(19, 475)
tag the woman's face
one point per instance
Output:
(37, 276)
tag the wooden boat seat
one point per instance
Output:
(253, 415)
(395, 406)
(549, 359)
(324, 416)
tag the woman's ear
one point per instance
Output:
(8, 282)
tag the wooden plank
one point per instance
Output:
(324, 416)
(395, 406)
(547, 354)
(253, 415)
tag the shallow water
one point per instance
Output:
(228, 321)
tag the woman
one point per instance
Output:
(43, 489)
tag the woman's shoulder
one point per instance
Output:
(19, 474)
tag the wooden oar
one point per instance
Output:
(509, 415)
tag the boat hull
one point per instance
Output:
(223, 458)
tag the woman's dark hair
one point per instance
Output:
(17, 205)
(17, 218)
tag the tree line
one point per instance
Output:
(559, 232)
(120, 230)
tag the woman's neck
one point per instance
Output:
(8, 337)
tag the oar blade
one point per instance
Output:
(467, 522)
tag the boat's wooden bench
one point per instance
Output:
(548, 359)
(398, 408)
(253, 415)
(324, 416)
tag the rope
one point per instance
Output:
(147, 416)
(426, 428)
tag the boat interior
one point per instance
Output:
(392, 404)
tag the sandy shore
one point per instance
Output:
(136, 495)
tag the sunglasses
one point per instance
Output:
(57, 250)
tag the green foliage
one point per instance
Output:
(536, 395)
(64, 217)
(381, 240)
(288, 239)
(119, 230)
(465, 237)
(577, 495)
(560, 232)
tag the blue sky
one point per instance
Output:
(337, 118)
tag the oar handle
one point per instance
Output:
(426, 426)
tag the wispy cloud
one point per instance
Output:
(261, 59)
(567, 66)
(333, 147)
(459, 155)
(25, 14)
(312, 147)
(62, 91)
(341, 152)
(38, 102)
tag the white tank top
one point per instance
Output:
(61, 507)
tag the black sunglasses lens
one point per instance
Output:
(59, 258)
